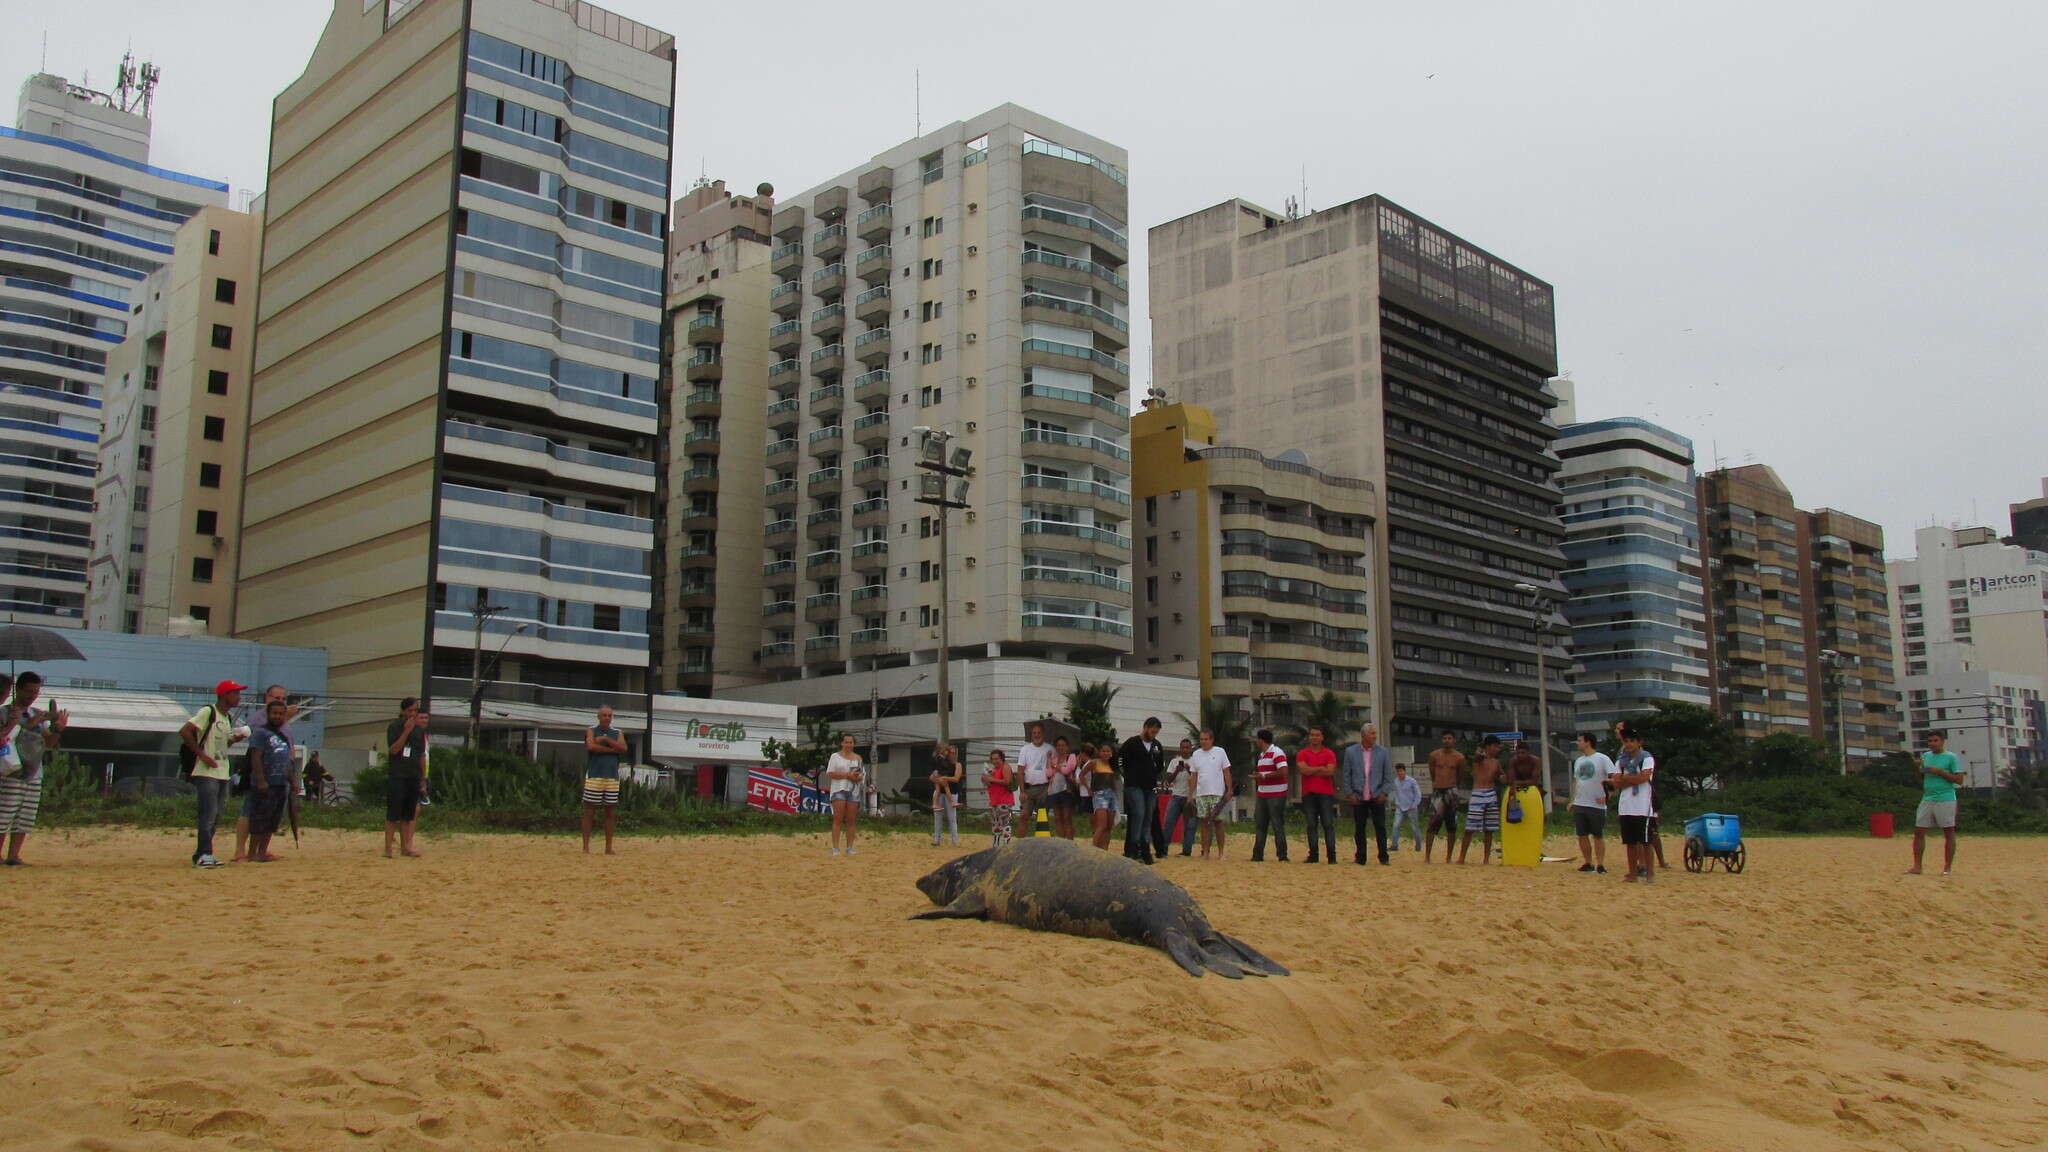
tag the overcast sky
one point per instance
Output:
(1808, 235)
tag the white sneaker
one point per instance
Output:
(849, 851)
(835, 851)
(207, 862)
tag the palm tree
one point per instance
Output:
(1088, 710)
(2026, 786)
(1326, 710)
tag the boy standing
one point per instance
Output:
(1590, 773)
(1482, 814)
(1939, 775)
(1446, 765)
(1407, 806)
(1634, 772)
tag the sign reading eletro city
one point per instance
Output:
(2020, 592)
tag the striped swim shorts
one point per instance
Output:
(600, 790)
(20, 799)
(1482, 813)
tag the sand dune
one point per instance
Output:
(756, 993)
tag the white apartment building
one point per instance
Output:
(83, 219)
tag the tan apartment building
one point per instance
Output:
(1253, 572)
(169, 492)
(453, 421)
(714, 442)
(1798, 626)
(969, 282)
(1384, 348)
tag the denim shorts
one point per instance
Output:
(1104, 800)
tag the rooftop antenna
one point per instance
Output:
(917, 100)
(136, 84)
(1304, 190)
(45, 65)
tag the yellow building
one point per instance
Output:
(1255, 573)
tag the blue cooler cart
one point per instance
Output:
(1714, 836)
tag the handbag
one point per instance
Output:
(10, 760)
(1514, 809)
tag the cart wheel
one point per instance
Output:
(1737, 859)
(1693, 855)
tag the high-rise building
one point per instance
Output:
(1798, 623)
(1384, 348)
(1963, 586)
(2030, 522)
(83, 219)
(452, 433)
(176, 409)
(715, 424)
(1253, 571)
(1637, 607)
(968, 282)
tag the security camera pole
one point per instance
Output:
(938, 470)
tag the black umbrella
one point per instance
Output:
(35, 645)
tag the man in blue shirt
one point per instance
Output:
(1367, 777)
(605, 744)
(270, 766)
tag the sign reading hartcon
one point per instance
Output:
(2020, 592)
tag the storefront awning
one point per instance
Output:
(93, 708)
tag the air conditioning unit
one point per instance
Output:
(1176, 577)
(970, 517)
(973, 207)
(973, 293)
(970, 561)
(1176, 493)
(970, 607)
(973, 249)
(973, 381)
(1176, 617)
(971, 425)
(1176, 534)
(971, 337)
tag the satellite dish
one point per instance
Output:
(764, 188)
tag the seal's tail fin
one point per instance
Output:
(1251, 958)
(1196, 958)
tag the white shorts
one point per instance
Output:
(1935, 814)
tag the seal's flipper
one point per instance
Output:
(970, 906)
(1185, 953)
(1252, 958)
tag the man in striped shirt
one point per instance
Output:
(1271, 778)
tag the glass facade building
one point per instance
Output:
(1636, 605)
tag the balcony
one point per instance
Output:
(782, 368)
(1110, 241)
(823, 558)
(1051, 265)
(821, 646)
(705, 328)
(1072, 446)
(539, 454)
(702, 369)
(829, 399)
(704, 402)
(829, 282)
(1086, 534)
(870, 512)
(778, 608)
(823, 523)
(1045, 580)
(877, 183)
(697, 593)
(868, 641)
(1091, 630)
(872, 347)
(830, 205)
(782, 408)
(698, 556)
(872, 428)
(829, 360)
(776, 488)
(828, 322)
(703, 438)
(1074, 404)
(777, 568)
(873, 224)
(823, 606)
(698, 516)
(870, 593)
(702, 478)
(786, 259)
(1075, 358)
(786, 299)
(873, 265)
(788, 223)
(824, 482)
(1088, 493)
(873, 385)
(872, 306)
(785, 338)
(781, 654)
(781, 451)
(871, 555)
(876, 463)
(778, 530)
(1050, 309)
(830, 438)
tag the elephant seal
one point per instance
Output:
(1059, 886)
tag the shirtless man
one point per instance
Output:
(1446, 765)
(1482, 815)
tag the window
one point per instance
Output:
(932, 310)
(144, 457)
(213, 242)
(135, 581)
(927, 616)
(207, 522)
(1151, 589)
(604, 617)
(149, 417)
(926, 572)
(1151, 509)
(924, 528)
(223, 336)
(202, 569)
(200, 612)
(216, 383)
(215, 428)
(224, 291)
(1151, 629)
(209, 475)
(1151, 549)
(932, 353)
(142, 499)
(934, 225)
(934, 268)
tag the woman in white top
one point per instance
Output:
(843, 774)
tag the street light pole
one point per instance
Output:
(939, 469)
(481, 612)
(1535, 595)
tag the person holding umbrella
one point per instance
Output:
(35, 732)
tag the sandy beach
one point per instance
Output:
(757, 993)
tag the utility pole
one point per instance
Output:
(939, 469)
(874, 739)
(1542, 692)
(481, 612)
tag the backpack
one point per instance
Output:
(187, 758)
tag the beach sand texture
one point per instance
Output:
(509, 992)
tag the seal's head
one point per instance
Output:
(944, 884)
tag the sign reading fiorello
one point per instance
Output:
(694, 729)
(2019, 592)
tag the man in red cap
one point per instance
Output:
(208, 734)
